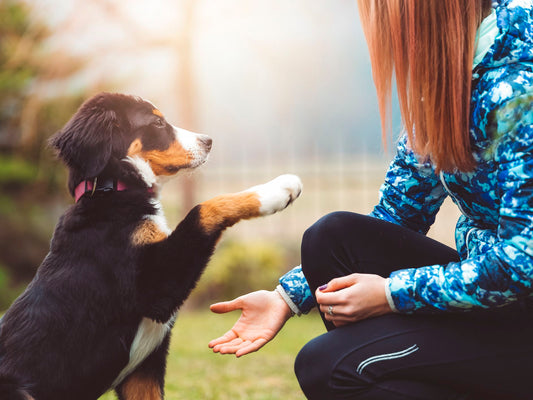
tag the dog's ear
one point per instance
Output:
(86, 142)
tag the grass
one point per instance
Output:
(195, 372)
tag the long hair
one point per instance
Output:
(428, 45)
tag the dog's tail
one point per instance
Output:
(10, 389)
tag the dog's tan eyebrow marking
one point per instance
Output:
(135, 147)
(155, 111)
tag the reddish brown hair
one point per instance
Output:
(429, 47)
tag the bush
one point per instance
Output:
(15, 170)
(239, 267)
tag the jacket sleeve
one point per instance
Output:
(412, 192)
(504, 273)
(410, 196)
(297, 291)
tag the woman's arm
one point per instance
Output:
(412, 192)
(410, 196)
(504, 273)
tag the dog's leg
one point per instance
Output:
(224, 211)
(11, 389)
(138, 386)
(147, 381)
(171, 267)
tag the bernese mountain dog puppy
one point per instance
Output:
(98, 314)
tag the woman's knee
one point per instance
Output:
(321, 371)
(312, 370)
(325, 226)
(323, 233)
(325, 240)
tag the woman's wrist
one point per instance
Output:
(291, 308)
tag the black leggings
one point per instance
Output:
(473, 355)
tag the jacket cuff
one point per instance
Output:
(389, 296)
(294, 309)
(297, 290)
(402, 292)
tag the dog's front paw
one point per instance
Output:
(278, 193)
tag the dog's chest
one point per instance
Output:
(151, 229)
(149, 336)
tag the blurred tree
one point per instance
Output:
(16, 42)
(29, 178)
(26, 69)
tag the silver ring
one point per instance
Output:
(330, 310)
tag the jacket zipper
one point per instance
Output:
(466, 242)
(458, 204)
(456, 201)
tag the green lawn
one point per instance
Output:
(195, 372)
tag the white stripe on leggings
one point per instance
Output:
(382, 357)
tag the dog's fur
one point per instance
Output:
(99, 311)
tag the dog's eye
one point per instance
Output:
(160, 123)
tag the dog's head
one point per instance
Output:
(111, 130)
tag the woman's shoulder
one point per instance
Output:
(506, 71)
(497, 87)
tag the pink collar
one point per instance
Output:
(93, 186)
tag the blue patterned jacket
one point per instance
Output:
(494, 235)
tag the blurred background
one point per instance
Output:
(282, 86)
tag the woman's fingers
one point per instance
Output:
(339, 283)
(338, 297)
(240, 347)
(251, 347)
(332, 293)
(263, 314)
(229, 347)
(338, 312)
(230, 336)
(227, 337)
(226, 306)
(365, 297)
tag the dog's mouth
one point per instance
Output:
(188, 151)
(172, 169)
(196, 158)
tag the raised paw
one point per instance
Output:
(277, 194)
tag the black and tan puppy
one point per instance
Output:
(98, 314)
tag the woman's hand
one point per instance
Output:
(263, 315)
(353, 298)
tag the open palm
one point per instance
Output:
(263, 314)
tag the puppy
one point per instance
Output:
(98, 314)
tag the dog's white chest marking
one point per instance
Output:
(149, 337)
(159, 218)
(150, 334)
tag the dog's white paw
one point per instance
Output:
(278, 193)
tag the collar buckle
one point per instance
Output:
(91, 187)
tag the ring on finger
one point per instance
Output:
(330, 310)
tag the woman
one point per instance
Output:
(407, 317)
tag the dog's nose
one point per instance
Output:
(206, 141)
